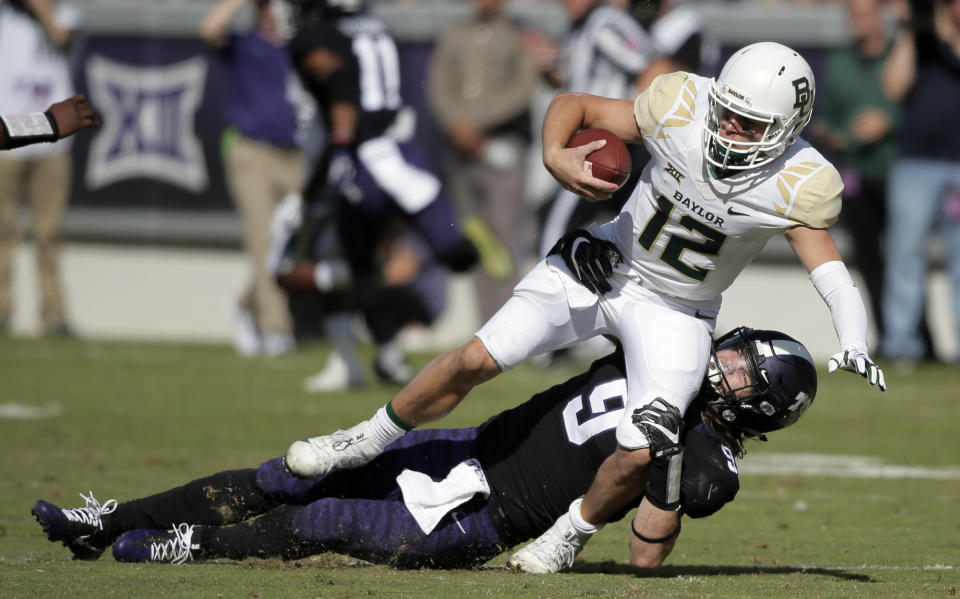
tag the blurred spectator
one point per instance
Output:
(924, 72)
(858, 124)
(480, 87)
(262, 157)
(34, 74)
(679, 39)
(602, 54)
(372, 168)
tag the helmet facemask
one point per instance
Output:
(731, 399)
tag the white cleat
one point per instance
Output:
(278, 344)
(342, 450)
(247, 341)
(337, 375)
(551, 552)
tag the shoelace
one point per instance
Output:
(563, 552)
(556, 550)
(176, 550)
(92, 512)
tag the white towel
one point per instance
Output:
(429, 501)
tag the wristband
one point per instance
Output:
(29, 128)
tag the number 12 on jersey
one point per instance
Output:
(676, 245)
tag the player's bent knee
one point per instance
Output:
(647, 559)
(631, 462)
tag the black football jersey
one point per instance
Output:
(543, 454)
(369, 76)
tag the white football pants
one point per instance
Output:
(666, 342)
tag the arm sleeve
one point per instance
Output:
(833, 283)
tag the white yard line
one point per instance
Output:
(812, 464)
(18, 411)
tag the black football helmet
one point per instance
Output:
(783, 381)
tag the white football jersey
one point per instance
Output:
(688, 235)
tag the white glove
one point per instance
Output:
(857, 361)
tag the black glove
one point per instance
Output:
(661, 423)
(591, 260)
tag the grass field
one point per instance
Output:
(878, 516)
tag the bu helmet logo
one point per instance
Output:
(801, 87)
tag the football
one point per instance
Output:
(611, 162)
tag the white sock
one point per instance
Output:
(579, 524)
(384, 429)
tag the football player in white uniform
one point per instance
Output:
(727, 173)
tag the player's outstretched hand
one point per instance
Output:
(857, 361)
(72, 115)
(589, 258)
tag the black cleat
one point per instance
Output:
(74, 527)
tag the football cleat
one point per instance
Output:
(341, 450)
(247, 340)
(75, 527)
(396, 373)
(172, 546)
(337, 375)
(551, 552)
(278, 344)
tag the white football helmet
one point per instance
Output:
(766, 82)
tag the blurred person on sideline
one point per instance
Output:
(603, 53)
(456, 498)
(33, 74)
(372, 168)
(262, 153)
(481, 84)
(678, 36)
(923, 73)
(858, 123)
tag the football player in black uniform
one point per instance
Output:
(371, 168)
(501, 483)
